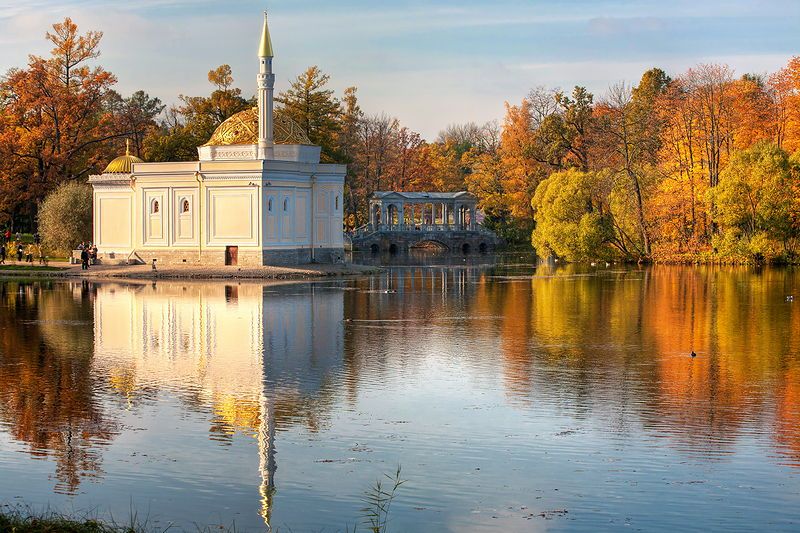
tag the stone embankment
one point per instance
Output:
(215, 272)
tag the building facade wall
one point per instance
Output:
(113, 216)
(190, 213)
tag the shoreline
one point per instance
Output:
(191, 272)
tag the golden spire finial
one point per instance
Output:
(265, 47)
(127, 147)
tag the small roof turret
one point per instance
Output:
(124, 163)
(265, 48)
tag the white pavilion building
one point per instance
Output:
(257, 195)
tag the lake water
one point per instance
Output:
(513, 398)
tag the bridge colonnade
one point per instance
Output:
(403, 211)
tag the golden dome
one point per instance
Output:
(242, 128)
(124, 163)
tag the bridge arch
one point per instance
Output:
(430, 244)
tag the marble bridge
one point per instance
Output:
(402, 221)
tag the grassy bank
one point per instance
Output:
(19, 520)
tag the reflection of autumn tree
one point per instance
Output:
(700, 401)
(511, 303)
(232, 414)
(620, 342)
(787, 427)
(46, 394)
(731, 319)
(615, 343)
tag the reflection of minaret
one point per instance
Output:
(303, 338)
(266, 453)
(256, 356)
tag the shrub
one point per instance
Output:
(65, 217)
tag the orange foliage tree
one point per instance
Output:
(53, 120)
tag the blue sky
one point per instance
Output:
(428, 63)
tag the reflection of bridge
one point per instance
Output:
(400, 221)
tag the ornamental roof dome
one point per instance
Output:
(124, 163)
(242, 128)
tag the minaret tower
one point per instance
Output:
(266, 87)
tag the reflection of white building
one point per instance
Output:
(245, 351)
(257, 195)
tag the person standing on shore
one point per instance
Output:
(20, 251)
(84, 259)
(3, 254)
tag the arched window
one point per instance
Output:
(185, 206)
(286, 204)
(154, 207)
(269, 205)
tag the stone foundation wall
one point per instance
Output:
(302, 256)
(246, 256)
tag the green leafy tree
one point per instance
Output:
(571, 221)
(65, 217)
(757, 209)
(134, 117)
(564, 137)
(314, 107)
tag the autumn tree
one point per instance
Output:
(564, 137)
(751, 112)
(710, 90)
(135, 117)
(630, 133)
(53, 121)
(784, 93)
(521, 169)
(191, 123)
(347, 147)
